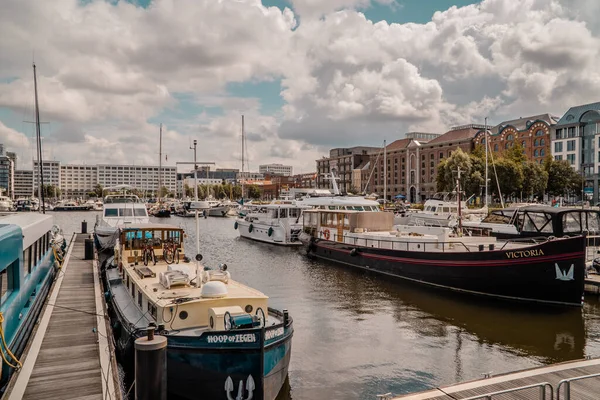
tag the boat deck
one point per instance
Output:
(529, 381)
(69, 356)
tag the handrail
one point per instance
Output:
(542, 386)
(567, 384)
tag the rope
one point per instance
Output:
(12, 356)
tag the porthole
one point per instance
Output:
(249, 308)
(183, 315)
(212, 323)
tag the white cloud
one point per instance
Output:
(106, 70)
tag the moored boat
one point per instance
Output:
(223, 338)
(278, 223)
(72, 206)
(548, 270)
(6, 203)
(31, 250)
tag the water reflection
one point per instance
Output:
(358, 335)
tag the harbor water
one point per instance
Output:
(358, 335)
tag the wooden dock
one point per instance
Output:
(70, 356)
(592, 284)
(584, 389)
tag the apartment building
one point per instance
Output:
(343, 161)
(8, 163)
(276, 169)
(141, 177)
(77, 180)
(51, 173)
(23, 183)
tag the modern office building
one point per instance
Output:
(276, 169)
(576, 139)
(23, 183)
(77, 180)
(51, 171)
(8, 162)
(141, 177)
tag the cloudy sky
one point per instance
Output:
(307, 74)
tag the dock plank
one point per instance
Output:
(580, 390)
(67, 366)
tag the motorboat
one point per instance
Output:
(70, 205)
(218, 209)
(277, 223)
(440, 210)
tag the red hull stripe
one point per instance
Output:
(487, 263)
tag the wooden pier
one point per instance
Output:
(525, 385)
(592, 284)
(70, 356)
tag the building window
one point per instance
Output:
(571, 159)
(539, 132)
(441, 155)
(542, 142)
(507, 145)
(509, 137)
(572, 132)
(523, 144)
(559, 157)
(542, 152)
(496, 147)
(571, 145)
(536, 142)
(559, 134)
(558, 147)
(536, 153)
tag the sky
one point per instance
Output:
(308, 75)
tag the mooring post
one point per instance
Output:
(84, 226)
(151, 367)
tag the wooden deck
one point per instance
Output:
(68, 358)
(588, 389)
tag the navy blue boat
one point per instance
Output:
(223, 341)
(29, 248)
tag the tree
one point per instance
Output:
(98, 190)
(253, 191)
(562, 178)
(188, 191)
(535, 179)
(508, 175)
(163, 191)
(515, 154)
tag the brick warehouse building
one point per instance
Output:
(532, 133)
(412, 162)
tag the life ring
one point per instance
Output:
(326, 234)
(235, 226)
(270, 232)
(250, 228)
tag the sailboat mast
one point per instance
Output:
(485, 135)
(160, 162)
(243, 150)
(38, 134)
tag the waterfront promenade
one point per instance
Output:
(70, 356)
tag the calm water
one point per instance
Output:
(359, 335)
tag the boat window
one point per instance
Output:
(3, 285)
(446, 209)
(152, 309)
(283, 213)
(140, 299)
(572, 222)
(314, 219)
(332, 207)
(537, 222)
(294, 212)
(140, 212)
(8, 280)
(111, 212)
(323, 219)
(330, 219)
(346, 221)
(453, 210)
(132, 289)
(432, 209)
(593, 221)
(27, 260)
(125, 212)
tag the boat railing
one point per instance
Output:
(546, 392)
(431, 246)
(565, 385)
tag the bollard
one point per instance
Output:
(151, 367)
(88, 249)
(84, 226)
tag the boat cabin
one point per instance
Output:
(133, 237)
(335, 224)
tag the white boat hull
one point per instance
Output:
(220, 211)
(260, 232)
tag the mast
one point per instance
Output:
(160, 162)
(459, 205)
(38, 135)
(485, 135)
(195, 172)
(243, 150)
(384, 174)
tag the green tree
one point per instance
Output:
(253, 191)
(535, 179)
(202, 191)
(508, 175)
(163, 192)
(562, 178)
(515, 154)
(98, 190)
(188, 191)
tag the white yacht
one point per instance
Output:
(279, 223)
(218, 209)
(119, 210)
(440, 210)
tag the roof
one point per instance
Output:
(398, 144)
(574, 113)
(131, 227)
(523, 123)
(455, 134)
